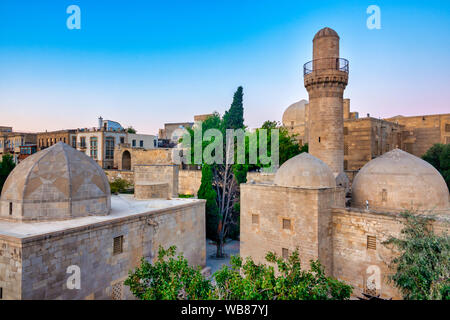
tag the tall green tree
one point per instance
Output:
(439, 157)
(6, 166)
(234, 117)
(422, 268)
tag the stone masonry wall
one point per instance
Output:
(47, 257)
(10, 268)
(189, 181)
(158, 173)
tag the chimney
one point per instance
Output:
(100, 123)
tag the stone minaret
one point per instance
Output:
(325, 79)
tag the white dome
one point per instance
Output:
(295, 114)
(305, 171)
(56, 183)
(400, 181)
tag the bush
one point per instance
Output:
(119, 185)
(172, 278)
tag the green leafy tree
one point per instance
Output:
(439, 157)
(288, 145)
(172, 278)
(131, 130)
(6, 166)
(168, 278)
(207, 192)
(422, 268)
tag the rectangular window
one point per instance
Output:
(346, 150)
(285, 253)
(447, 127)
(122, 140)
(117, 291)
(345, 165)
(371, 242)
(384, 195)
(109, 148)
(141, 143)
(10, 208)
(83, 142)
(118, 245)
(134, 143)
(287, 224)
(255, 219)
(74, 142)
(345, 131)
(94, 147)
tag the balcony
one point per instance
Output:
(326, 64)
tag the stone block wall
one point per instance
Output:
(158, 174)
(275, 218)
(189, 181)
(123, 174)
(260, 177)
(141, 156)
(152, 191)
(10, 268)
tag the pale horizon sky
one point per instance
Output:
(146, 63)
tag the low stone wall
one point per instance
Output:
(260, 177)
(123, 174)
(145, 191)
(189, 181)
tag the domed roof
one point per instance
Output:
(305, 171)
(56, 183)
(326, 32)
(398, 181)
(295, 112)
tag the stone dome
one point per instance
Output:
(56, 183)
(326, 32)
(398, 181)
(305, 171)
(295, 113)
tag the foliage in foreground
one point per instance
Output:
(6, 166)
(422, 270)
(172, 278)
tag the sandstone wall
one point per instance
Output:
(47, 257)
(123, 174)
(189, 181)
(260, 177)
(158, 174)
(264, 211)
(10, 268)
(141, 156)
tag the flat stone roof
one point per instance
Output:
(122, 206)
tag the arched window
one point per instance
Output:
(126, 160)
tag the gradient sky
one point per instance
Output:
(144, 63)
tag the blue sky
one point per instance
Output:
(144, 63)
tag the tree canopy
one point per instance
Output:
(6, 166)
(439, 157)
(422, 268)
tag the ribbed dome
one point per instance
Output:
(397, 181)
(326, 32)
(295, 114)
(56, 183)
(305, 171)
